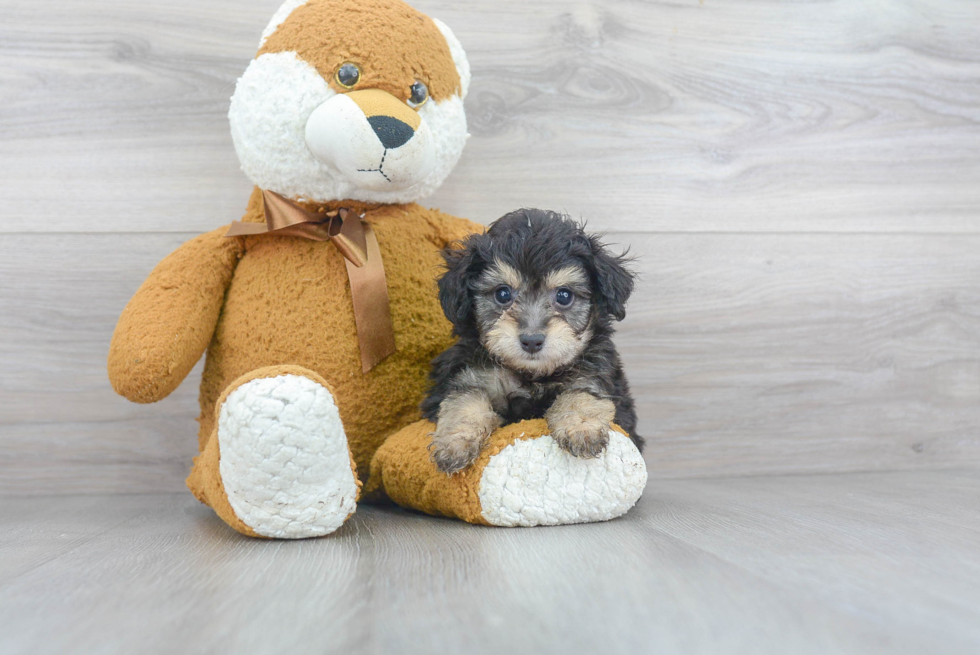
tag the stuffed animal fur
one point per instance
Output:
(353, 105)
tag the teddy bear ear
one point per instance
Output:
(288, 7)
(459, 57)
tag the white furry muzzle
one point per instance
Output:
(378, 153)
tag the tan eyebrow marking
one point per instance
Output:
(501, 273)
(509, 274)
(565, 277)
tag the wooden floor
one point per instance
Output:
(848, 563)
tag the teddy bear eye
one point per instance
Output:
(503, 295)
(419, 94)
(348, 75)
(564, 297)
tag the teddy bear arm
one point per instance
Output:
(169, 322)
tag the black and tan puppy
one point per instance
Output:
(532, 301)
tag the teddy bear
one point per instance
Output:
(318, 313)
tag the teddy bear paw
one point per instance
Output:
(285, 465)
(535, 482)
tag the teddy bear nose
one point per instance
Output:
(392, 132)
(532, 343)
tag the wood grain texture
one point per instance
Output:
(799, 179)
(641, 115)
(763, 354)
(748, 354)
(850, 563)
(800, 182)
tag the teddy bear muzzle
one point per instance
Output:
(373, 139)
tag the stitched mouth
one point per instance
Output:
(378, 169)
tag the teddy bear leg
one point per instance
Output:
(521, 478)
(277, 464)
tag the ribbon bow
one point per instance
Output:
(358, 244)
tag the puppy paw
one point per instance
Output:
(579, 423)
(465, 422)
(585, 439)
(455, 451)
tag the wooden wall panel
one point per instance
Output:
(800, 180)
(743, 115)
(806, 353)
(748, 354)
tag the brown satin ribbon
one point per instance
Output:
(358, 244)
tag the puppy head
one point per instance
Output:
(535, 289)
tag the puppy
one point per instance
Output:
(532, 302)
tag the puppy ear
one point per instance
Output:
(455, 295)
(612, 280)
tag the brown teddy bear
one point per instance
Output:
(319, 312)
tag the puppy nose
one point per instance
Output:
(532, 343)
(392, 132)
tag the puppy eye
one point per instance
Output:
(503, 295)
(564, 297)
(348, 75)
(419, 94)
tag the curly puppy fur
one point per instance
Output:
(532, 302)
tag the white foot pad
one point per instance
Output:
(534, 482)
(284, 460)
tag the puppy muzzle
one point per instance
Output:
(373, 139)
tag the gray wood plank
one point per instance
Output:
(799, 352)
(114, 117)
(647, 116)
(39, 531)
(852, 563)
(747, 354)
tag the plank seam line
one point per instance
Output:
(910, 233)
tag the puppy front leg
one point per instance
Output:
(579, 422)
(464, 424)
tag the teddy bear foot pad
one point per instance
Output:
(285, 464)
(534, 482)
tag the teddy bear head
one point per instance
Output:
(351, 100)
